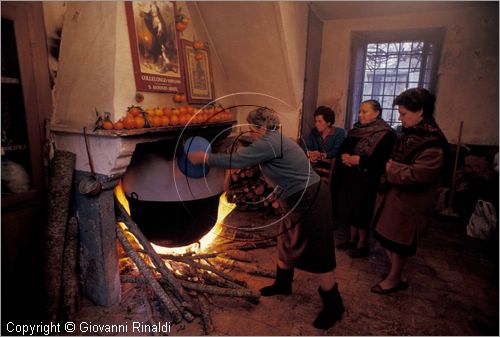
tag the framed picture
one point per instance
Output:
(198, 74)
(154, 43)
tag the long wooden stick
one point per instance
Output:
(158, 262)
(59, 194)
(246, 293)
(149, 277)
(197, 265)
(139, 279)
(206, 320)
(70, 278)
(459, 144)
(247, 268)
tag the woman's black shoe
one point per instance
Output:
(360, 252)
(377, 289)
(347, 245)
(282, 285)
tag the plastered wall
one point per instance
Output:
(95, 68)
(467, 87)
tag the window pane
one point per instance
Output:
(371, 48)
(414, 75)
(367, 89)
(394, 47)
(377, 88)
(389, 88)
(387, 102)
(386, 114)
(392, 61)
(404, 62)
(415, 62)
(391, 68)
(368, 76)
(382, 48)
(417, 45)
(406, 46)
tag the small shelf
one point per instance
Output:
(152, 131)
(10, 80)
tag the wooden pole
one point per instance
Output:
(459, 144)
(249, 294)
(149, 277)
(70, 291)
(59, 193)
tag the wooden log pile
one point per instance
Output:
(183, 283)
(248, 189)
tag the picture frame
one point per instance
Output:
(155, 46)
(197, 73)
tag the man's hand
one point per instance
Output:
(198, 157)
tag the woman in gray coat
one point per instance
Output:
(306, 241)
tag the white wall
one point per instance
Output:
(468, 75)
(95, 68)
(266, 56)
(261, 47)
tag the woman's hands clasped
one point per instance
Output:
(349, 160)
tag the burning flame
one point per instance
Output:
(224, 209)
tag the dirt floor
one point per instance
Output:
(453, 291)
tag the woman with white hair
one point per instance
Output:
(306, 241)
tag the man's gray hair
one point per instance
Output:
(264, 117)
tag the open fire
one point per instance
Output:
(224, 209)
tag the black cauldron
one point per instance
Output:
(175, 224)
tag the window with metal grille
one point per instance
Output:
(384, 66)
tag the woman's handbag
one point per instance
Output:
(483, 222)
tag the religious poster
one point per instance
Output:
(154, 42)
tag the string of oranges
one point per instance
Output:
(138, 118)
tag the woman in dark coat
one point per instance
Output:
(306, 239)
(363, 155)
(413, 176)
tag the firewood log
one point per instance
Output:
(70, 276)
(217, 272)
(206, 320)
(249, 294)
(246, 267)
(149, 277)
(139, 279)
(259, 190)
(158, 262)
(59, 193)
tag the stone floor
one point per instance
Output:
(453, 291)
